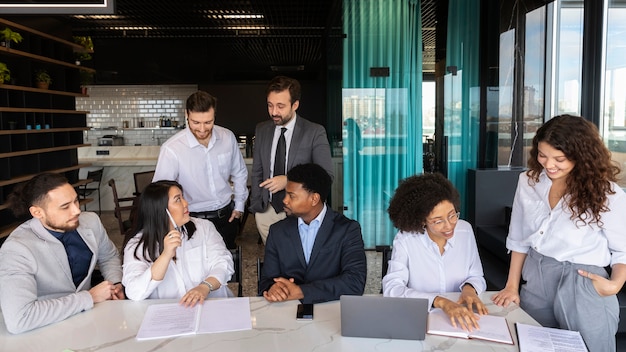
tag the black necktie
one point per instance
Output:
(279, 169)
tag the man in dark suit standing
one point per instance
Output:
(281, 143)
(317, 254)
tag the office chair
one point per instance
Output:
(126, 226)
(142, 179)
(85, 190)
(386, 250)
(238, 274)
(259, 270)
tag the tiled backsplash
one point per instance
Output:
(112, 108)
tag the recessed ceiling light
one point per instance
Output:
(236, 17)
(98, 17)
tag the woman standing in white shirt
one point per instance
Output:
(173, 255)
(434, 252)
(567, 225)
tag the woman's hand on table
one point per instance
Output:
(460, 316)
(470, 299)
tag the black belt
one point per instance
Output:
(212, 214)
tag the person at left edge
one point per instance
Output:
(47, 263)
(205, 158)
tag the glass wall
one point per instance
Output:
(382, 127)
(613, 122)
(539, 76)
(569, 43)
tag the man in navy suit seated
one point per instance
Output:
(315, 254)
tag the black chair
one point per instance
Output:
(386, 251)
(259, 270)
(88, 188)
(238, 274)
(126, 225)
(142, 179)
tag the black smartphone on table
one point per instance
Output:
(305, 312)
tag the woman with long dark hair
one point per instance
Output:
(173, 255)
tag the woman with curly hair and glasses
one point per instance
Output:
(568, 223)
(435, 252)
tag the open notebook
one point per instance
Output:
(492, 328)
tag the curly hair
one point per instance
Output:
(589, 182)
(416, 197)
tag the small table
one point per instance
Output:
(112, 326)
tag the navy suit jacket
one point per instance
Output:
(309, 144)
(337, 265)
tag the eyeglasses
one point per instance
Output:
(452, 219)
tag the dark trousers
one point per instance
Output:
(219, 218)
(228, 230)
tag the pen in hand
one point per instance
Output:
(173, 224)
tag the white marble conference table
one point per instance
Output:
(112, 326)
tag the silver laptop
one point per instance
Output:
(384, 317)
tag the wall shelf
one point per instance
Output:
(26, 152)
(44, 59)
(38, 90)
(48, 130)
(28, 177)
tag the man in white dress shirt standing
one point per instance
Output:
(205, 159)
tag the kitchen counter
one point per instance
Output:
(121, 162)
(119, 156)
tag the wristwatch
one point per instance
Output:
(208, 284)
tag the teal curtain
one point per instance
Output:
(382, 130)
(462, 92)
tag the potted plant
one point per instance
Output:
(9, 36)
(87, 43)
(42, 79)
(5, 73)
(86, 78)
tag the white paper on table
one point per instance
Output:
(540, 339)
(174, 319)
(167, 320)
(221, 315)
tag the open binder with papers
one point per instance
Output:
(174, 319)
(492, 328)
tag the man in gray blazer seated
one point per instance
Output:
(316, 255)
(46, 263)
(302, 142)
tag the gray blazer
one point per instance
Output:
(36, 286)
(309, 144)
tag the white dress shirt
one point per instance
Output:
(203, 255)
(418, 270)
(205, 172)
(553, 233)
